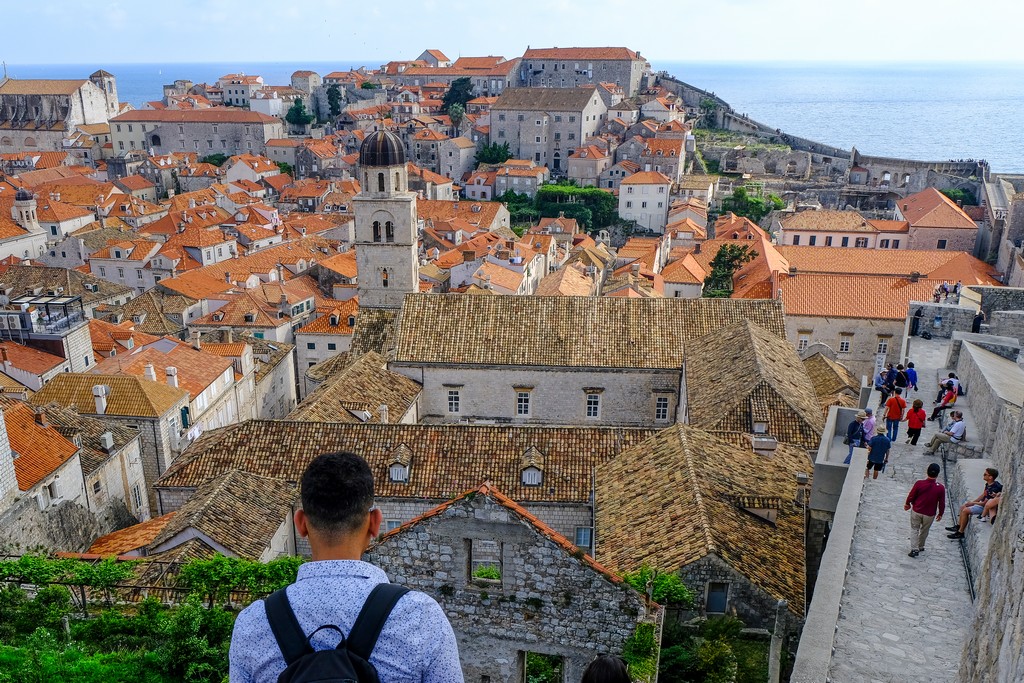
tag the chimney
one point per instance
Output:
(905, 207)
(3, 354)
(41, 418)
(383, 411)
(99, 394)
(150, 373)
(172, 376)
(196, 344)
(227, 278)
(635, 269)
(765, 445)
(228, 336)
(915, 276)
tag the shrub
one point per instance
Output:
(667, 588)
(487, 571)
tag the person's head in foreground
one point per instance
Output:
(337, 514)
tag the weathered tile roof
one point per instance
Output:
(90, 430)
(28, 359)
(566, 331)
(586, 53)
(374, 331)
(830, 377)
(830, 221)
(24, 279)
(766, 380)
(238, 510)
(544, 99)
(129, 396)
(366, 384)
(469, 500)
(157, 305)
(569, 280)
(130, 538)
(677, 498)
(937, 264)
(445, 458)
(929, 208)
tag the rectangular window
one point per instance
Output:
(120, 273)
(331, 346)
(941, 244)
(138, 273)
(390, 524)
(846, 242)
(803, 339)
(96, 486)
(522, 403)
(454, 400)
(584, 534)
(643, 205)
(717, 598)
(812, 240)
(572, 119)
(136, 496)
(311, 346)
(661, 409)
(796, 239)
(485, 558)
(629, 205)
(593, 405)
(895, 244)
(861, 243)
(537, 139)
(845, 342)
(828, 241)
(883, 244)
(883, 345)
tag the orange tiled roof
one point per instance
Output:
(852, 296)
(930, 208)
(196, 370)
(39, 450)
(28, 359)
(341, 313)
(131, 538)
(647, 178)
(135, 182)
(937, 264)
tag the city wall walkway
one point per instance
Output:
(901, 618)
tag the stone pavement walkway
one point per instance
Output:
(902, 619)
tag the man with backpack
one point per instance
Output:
(342, 619)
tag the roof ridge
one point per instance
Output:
(703, 517)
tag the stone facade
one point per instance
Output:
(975, 368)
(865, 339)
(742, 598)
(547, 600)
(39, 113)
(942, 320)
(556, 395)
(204, 131)
(579, 67)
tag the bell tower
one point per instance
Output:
(385, 218)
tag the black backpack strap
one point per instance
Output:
(290, 636)
(370, 621)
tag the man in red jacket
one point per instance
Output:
(925, 499)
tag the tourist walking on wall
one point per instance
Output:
(915, 419)
(869, 427)
(911, 377)
(854, 434)
(978, 320)
(902, 380)
(878, 452)
(894, 408)
(927, 503)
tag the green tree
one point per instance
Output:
(334, 100)
(668, 588)
(297, 115)
(963, 195)
(217, 159)
(368, 85)
(457, 113)
(460, 92)
(754, 208)
(494, 153)
(286, 168)
(601, 206)
(708, 113)
(718, 283)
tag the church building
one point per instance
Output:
(37, 114)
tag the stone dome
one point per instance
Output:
(382, 148)
(23, 195)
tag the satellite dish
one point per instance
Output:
(4, 300)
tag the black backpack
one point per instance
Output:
(347, 663)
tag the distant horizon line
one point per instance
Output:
(652, 60)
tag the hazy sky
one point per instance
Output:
(119, 31)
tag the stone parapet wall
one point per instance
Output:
(1007, 324)
(953, 318)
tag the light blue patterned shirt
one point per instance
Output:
(416, 644)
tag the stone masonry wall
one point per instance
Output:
(1000, 299)
(547, 601)
(986, 406)
(995, 651)
(1007, 324)
(752, 605)
(954, 318)
(68, 526)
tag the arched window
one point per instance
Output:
(30, 142)
(380, 182)
(389, 232)
(5, 142)
(384, 275)
(376, 231)
(156, 140)
(397, 183)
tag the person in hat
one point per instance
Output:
(869, 427)
(878, 452)
(855, 434)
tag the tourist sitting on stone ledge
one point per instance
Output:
(948, 399)
(991, 508)
(955, 432)
(977, 506)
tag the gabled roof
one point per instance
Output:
(71, 424)
(830, 377)
(129, 396)
(486, 493)
(544, 99)
(589, 53)
(938, 264)
(364, 385)
(29, 360)
(774, 388)
(930, 208)
(647, 178)
(569, 280)
(684, 271)
(548, 331)
(445, 458)
(686, 494)
(237, 510)
(39, 450)
(197, 370)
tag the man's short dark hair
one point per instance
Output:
(899, 391)
(992, 472)
(337, 492)
(933, 470)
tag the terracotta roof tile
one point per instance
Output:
(851, 296)
(131, 538)
(930, 208)
(39, 450)
(587, 53)
(829, 377)
(129, 396)
(30, 360)
(363, 385)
